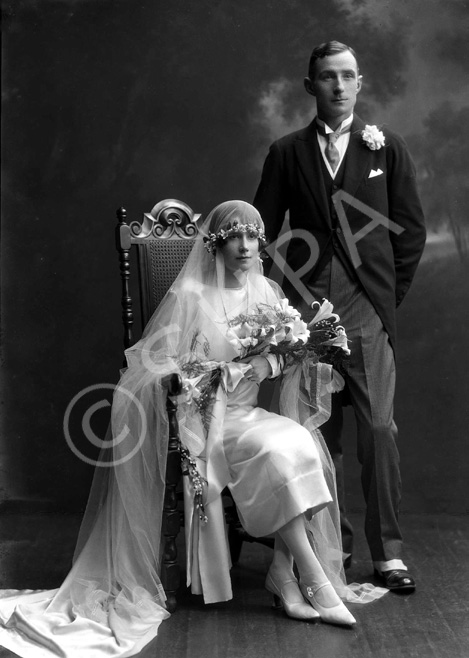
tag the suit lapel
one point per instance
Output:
(358, 159)
(357, 164)
(308, 154)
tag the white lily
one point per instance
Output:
(325, 311)
(298, 330)
(339, 341)
(284, 307)
(189, 388)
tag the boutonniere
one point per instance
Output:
(373, 137)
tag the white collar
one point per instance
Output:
(346, 122)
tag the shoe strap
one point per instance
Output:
(311, 591)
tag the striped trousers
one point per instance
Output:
(370, 385)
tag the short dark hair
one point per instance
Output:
(326, 49)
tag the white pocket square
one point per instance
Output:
(375, 172)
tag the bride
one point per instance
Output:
(276, 467)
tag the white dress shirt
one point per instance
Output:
(341, 143)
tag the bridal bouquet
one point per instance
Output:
(268, 329)
(267, 326)
(280, 330)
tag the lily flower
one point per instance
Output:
(297, 330)
(339, 341)
(189, 388)
(284, 308)
(324, 312)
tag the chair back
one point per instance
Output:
(163, 241)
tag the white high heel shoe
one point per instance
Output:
(287, 595)
(336, 614)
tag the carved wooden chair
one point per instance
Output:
(163, 241)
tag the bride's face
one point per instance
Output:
(240, 251)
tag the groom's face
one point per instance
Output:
(335, 83)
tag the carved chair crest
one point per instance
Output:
(163, 239)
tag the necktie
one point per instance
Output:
(331, 151)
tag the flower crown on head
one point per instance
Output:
(215, 239)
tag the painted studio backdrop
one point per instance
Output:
(127, 102)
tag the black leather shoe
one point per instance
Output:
(397, 580)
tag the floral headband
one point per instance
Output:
(215, 239)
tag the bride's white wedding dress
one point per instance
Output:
(270, 463)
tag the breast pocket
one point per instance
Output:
(378, 179)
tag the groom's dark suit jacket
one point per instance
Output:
(292, 179)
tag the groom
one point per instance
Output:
(357, 234)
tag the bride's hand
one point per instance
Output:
(260, 368)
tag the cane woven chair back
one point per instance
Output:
(163, 241)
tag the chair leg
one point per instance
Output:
(170, 570)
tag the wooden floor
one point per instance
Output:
(431, 623)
